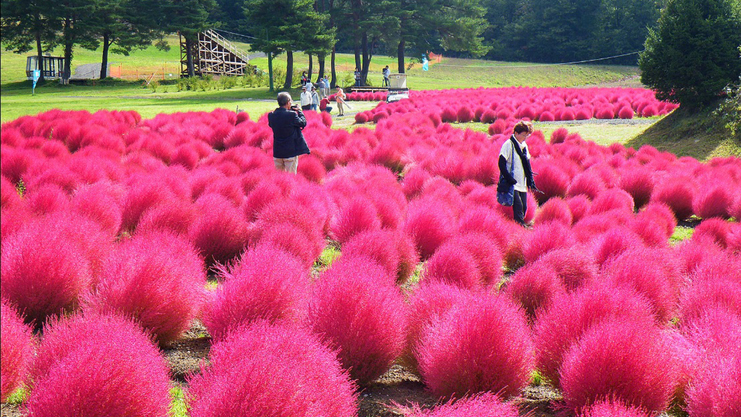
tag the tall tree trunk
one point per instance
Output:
(333, 84)
(104, 63)
(400, 56)
(366, 60)
(67, 72)
(40, 58)
(289, 69)
(189, 55)
(311, 66)
(357, 54)
(321, 58)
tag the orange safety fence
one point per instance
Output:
(163, 71)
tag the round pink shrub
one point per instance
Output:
(464, 114)
(579, 206)
(429, 225)
(677, 193)
(714, 201)
(157, 279)
(451, 264)
(562, 324)
(99, 365)
(714, 229)
(552, 181)
(42, 256)
(266, 284)
(662, 214)
(481, 405)
(554, 210)
(17, 350)
(173, 216)
(488, 116)
(499, 126)
(605, 113)
(547, 237)
(357, 297)
(357, 216)
(716, 390)
(613, 243)
(394, 251)
(651, 273)
(639, 183)
(612, 199)
(619, 360)
(430, 300)
(48, 198)
(288, 372)
(100, 203)
(587, 183)
(448, 115)
(559, 135)
(475, 347)
(574, 266)
(534, 286)
(546, 116)
(702, 293)
(486, 254)
(220, 231)
(361, 118)
(626, 112)
(649, 111)
(141, 195)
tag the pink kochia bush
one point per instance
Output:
(429, 224)
(480, 405)
(220, 231)
(99, 365)
(564, 322)
(43, 257)
(17, 350)
(158, 279)
(277, 370)
(266, 284)
(452, 264)
(620, 360)
(478, 346)
(355, 297)
(393, 250)
(534, 286)
(429, 300)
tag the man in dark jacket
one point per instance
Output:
(287, 121)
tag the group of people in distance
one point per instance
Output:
(316, 96)
(386, 75)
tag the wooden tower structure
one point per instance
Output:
(214, 55)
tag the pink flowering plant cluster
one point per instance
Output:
(112, 226)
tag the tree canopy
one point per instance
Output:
(693, 54)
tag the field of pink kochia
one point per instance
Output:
(113, 223)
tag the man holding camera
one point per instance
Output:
(287, 122)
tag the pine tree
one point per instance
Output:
(692, 55)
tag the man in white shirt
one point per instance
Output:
(514, 165)
(306, 100)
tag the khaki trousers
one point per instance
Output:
(287, 164)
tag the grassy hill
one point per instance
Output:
(685, 133)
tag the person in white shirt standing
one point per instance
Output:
(306, 100)
(514, 154)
